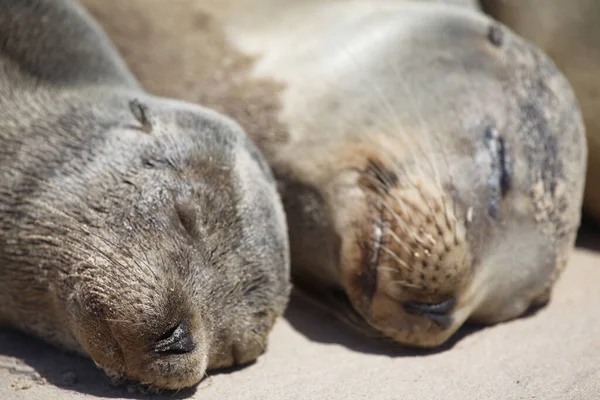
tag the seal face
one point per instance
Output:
(144, 232)
(443, 219)
(432, 163)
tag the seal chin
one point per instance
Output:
(176, 371)
(416, 324)
(178, 359)
(177, 378)
(408, 266)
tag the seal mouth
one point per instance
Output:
(439, 313)
(407, 264)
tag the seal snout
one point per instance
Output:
(412, 261)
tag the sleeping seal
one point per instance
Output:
(143, 232)
(431, 162)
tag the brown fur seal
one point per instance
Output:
(569, 32)
(431, 162)
(144, 232)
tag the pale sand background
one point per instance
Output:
(552, 354)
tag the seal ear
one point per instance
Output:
(141, 113)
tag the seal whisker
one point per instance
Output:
(397, 239)
(427, 132)
(129, 253)
(82, 229)
(405, 284)
(403, 204)
(398, 126)
(387, 107)
(392, 254)
(394, 271)
(123, 321)
(111, 260)
(401, 222)
(76, 241)
(382, 191)
(140, 244)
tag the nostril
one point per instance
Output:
(437, 312)
(176, 341)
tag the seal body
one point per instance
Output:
(569, 33)
(143, 232)
(431, 163)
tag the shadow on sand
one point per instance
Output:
(38, 362)
(318, 325)
(588, 236)
(35, 360)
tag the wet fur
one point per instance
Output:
(423, 152)
(122, 214)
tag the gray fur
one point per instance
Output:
(115, 229)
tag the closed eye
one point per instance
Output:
(500, 178)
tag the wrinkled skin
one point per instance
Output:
(143, 232)
(431, 162)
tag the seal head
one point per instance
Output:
(469, 218)
(142, 232)
(432, 202)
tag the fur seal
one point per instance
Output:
(568, 31)
(431, 162)
(144, 232)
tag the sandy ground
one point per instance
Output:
(551, 354)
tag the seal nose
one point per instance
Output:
(438, 313)
(176, 341)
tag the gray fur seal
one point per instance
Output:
(143, 232)
(431, 162)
